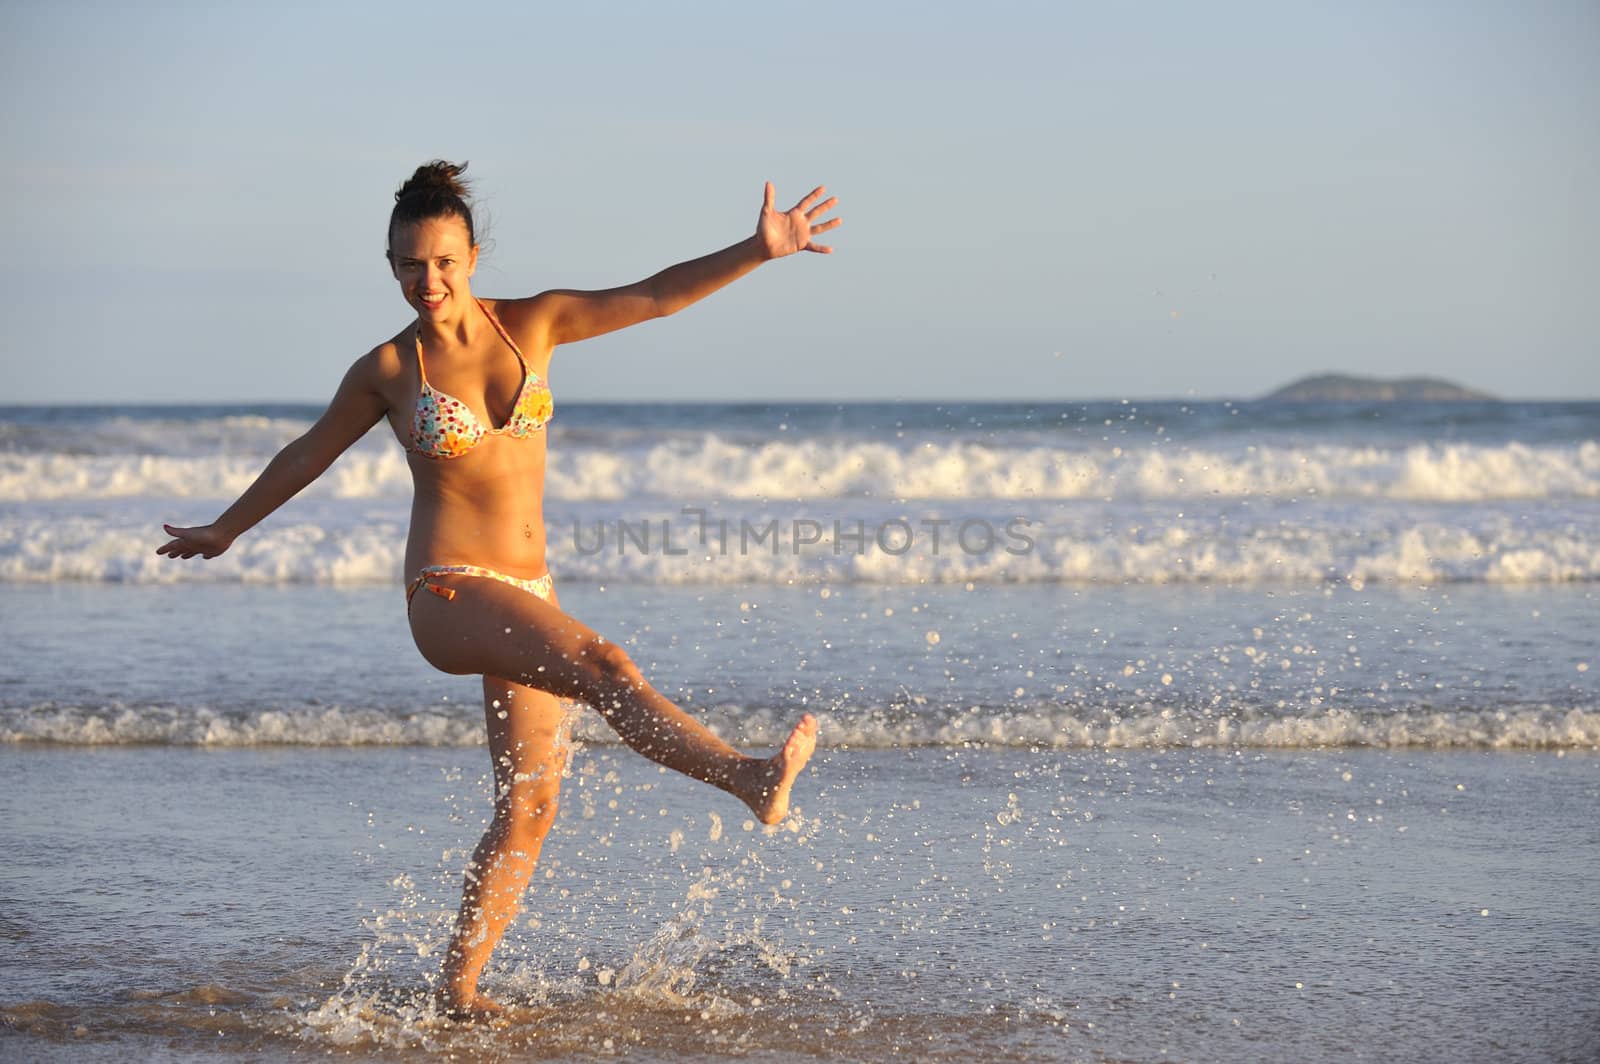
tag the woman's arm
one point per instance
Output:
(355, 408)
(573, 315)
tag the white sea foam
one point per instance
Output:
(35, 477)
(1054, 727)
(53, 548)
(176, 436)
(712, 467)
(1221, 507)
(205, 726)
(361, 541)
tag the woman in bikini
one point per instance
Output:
(479, 596)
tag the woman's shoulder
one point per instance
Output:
(527, 319)
(385, 361)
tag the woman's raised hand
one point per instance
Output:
(790, 231)
(205, 541)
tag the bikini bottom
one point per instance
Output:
(539, 585)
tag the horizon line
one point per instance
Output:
(817, 401)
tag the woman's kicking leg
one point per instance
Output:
(528, 744)
(498, 630)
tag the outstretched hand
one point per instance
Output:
(205, 541)
(790, 231)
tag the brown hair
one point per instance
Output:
(436, 190)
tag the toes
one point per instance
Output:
(804, 735)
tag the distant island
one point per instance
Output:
(1341, 388)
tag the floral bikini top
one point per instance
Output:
(442, 426)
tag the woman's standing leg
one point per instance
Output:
(528, 743)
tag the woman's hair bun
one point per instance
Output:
(436, 190)
(437, 176)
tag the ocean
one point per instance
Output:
(1150, 731)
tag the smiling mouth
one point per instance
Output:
(432, 300)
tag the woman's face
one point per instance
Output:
(432, 260)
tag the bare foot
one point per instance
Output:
(475, 1009)
(768, 793)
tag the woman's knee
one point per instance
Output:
(529, 808)
(608, 665)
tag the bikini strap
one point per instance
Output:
(501, 329)
(421, 371)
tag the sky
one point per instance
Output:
(1041, 201)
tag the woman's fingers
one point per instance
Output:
(822, 208)
(186, 544)
(793, 229)
(810, 197)
(820, 227)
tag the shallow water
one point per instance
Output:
(940, 903)
(1015, 665)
